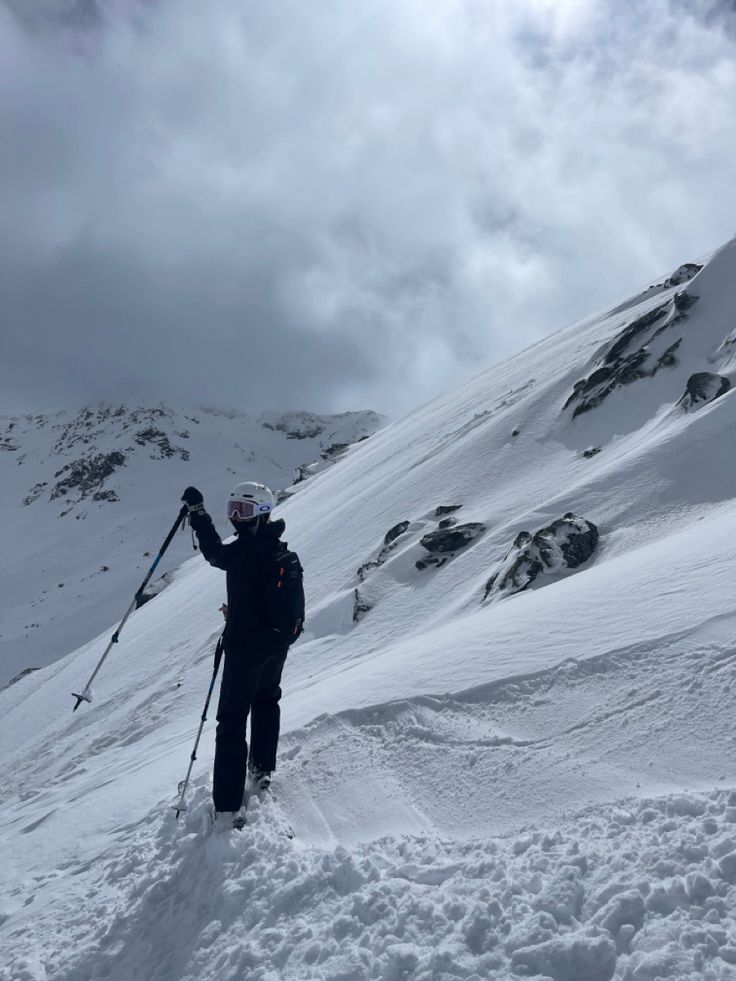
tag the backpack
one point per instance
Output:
(285, 595)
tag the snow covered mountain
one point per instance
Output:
(89, 496)
(508, 729)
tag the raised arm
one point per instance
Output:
(210, 542)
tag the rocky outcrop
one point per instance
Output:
(35, 492)
(21, 674)
(335, 451)
(296, 425)
(633, 354)
(393, 533)
(85, 477)
(158, 439)
(703, 387)
(445, 543)
(565, 544)
(360, 606)
(89, 425)
(152, 589)
(105, 495)
(389, 540)
(683, 274)
(443, 509)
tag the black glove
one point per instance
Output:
(193, 499)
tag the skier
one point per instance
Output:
(264, 615)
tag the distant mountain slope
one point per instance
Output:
(86, 495)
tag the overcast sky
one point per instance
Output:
(330, 205)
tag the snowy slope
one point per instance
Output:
(89, 496)
(537, 784)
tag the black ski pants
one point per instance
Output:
(250, 685)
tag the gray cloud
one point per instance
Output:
(329, 206)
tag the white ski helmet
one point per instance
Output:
(249, 500)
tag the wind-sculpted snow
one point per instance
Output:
(636, 891)
(434, 836)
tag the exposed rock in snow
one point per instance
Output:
(637, 352)
(294, 425)
(443, 509)
(86, 476)
(35, 492)
(683, 274)
(446, 540)
(334, 451)
(704, 386)
(21, 674)
(444, 543)
(154, 588)
(389, 541)
(393, 533)
(151, 436)
(565, 544)
(309, 425)
(328, 456)
(683, 301)
(360, 606)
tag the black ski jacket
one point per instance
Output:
(254, 619)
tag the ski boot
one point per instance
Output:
(259, 781)
(229, 820)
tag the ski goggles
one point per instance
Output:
(245, 510)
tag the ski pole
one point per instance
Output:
(182, 787)
(86, 694)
